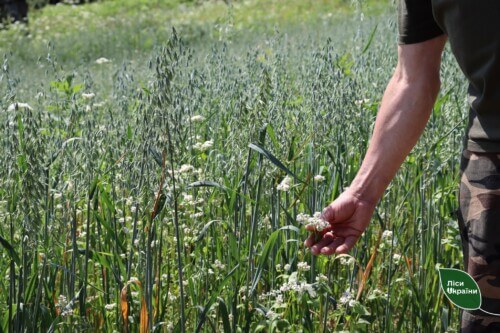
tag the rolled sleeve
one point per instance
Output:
(416, 22)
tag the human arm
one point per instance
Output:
(404, 111)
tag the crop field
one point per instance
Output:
(155, 178)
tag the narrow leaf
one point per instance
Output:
(10, 250)
(273, 160)
(207, 183)
(370, 39)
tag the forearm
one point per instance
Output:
(405, 109)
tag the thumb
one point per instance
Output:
(339, 210)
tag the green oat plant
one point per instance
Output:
(168, 193)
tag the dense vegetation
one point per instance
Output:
(158, 179)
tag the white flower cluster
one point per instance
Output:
(388, 239)
(346, 298)
(110, 307)
(88, 95)
(319, 179)
(297, 286)
(347, 261)
(186, 168)
(102, 60)
(387, 235)
(271, 314)
(321, 278)
(377, 293)
(285, 184)
(219, 265)
(203, 146)
(316, 221)
(197, 119)
(63, 306)
(303, 266)
(396, 257)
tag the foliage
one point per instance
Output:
(160, 190)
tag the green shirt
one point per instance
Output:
(473, 29)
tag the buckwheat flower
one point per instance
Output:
(186, 168)
(319, 179)
(321, 278)
(347, 261)
(346, 297)
(88, 95)
(387, 235)
(188, 198)
(287, 267)
(62, 301)
(218, 264)
(18, 105)
(303, 266)
(102, 60)
(196, 215)
(317, 222)
(396, 257)
(197, 119)
(207, 145)
(110, 307)
(302, 218)
(278, 267)
(271, 314)
(309, 288)
(285, 184)
(67, 312)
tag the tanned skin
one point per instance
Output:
(405, 110)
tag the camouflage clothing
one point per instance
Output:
(479, 222)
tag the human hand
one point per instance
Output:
(348, 216)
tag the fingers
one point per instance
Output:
(330, 248)
(310, 240)
(330, 244)
(315, 236)
(327, 239)
(310, 227)
(348, 244)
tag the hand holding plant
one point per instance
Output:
(348, 216)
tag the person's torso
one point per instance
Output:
(473, 29)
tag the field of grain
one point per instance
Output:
(151, 178)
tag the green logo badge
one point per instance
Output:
(460, 288)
